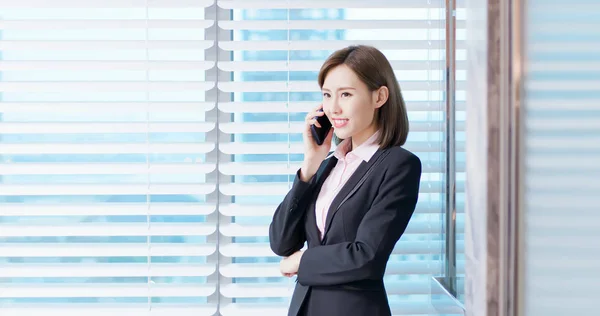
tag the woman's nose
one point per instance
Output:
(335, 106)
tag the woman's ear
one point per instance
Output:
(381, 96)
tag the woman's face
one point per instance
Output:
(349, 104)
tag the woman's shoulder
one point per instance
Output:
(401, 164)
(399, 156)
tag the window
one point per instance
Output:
(559, 234)
(146, 144)
(103, 158)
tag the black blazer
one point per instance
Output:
(342, 275)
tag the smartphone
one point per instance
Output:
(319, 134)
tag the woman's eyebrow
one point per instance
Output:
(340, 88)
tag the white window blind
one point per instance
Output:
(103, 187)
(144, 145)
(560, 231)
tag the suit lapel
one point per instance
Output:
(348, 188)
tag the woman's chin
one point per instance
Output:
(340, 135)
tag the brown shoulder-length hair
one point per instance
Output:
(374, 69)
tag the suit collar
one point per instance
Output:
(324, 170)
(364, 152)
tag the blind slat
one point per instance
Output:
(330, 24)
(112, 229)
(107, 45)
(540, 47)
(16, 65)
(106, 290)
(319, 4)
(558, 143)
(108, 189)
(106, 209)
(98, 168)
(103, 24)
(558, 105)
(262, 45)
(111, 310)
(50, 250)
(102, 107)
(70, 4)
(98, 86)
(88, 148)
(570, 85)
(104, 127)
(66, 270)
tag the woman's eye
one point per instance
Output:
(326, 95)
(345, 94)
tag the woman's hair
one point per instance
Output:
(373, 68)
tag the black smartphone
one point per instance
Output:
(319, 134)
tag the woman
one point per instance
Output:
(353, 206)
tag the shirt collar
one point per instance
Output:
(365, 151)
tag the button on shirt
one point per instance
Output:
(347, 163)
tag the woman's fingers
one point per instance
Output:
(313, 114)
(311, 120)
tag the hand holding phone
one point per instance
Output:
(317, 136)
(320, 133)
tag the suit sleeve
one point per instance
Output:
(286, 232)
(380, 229)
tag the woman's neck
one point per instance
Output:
(362, 137)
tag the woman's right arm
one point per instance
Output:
(286, 232)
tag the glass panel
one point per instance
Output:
(561, 154)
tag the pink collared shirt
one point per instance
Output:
(347, 163)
